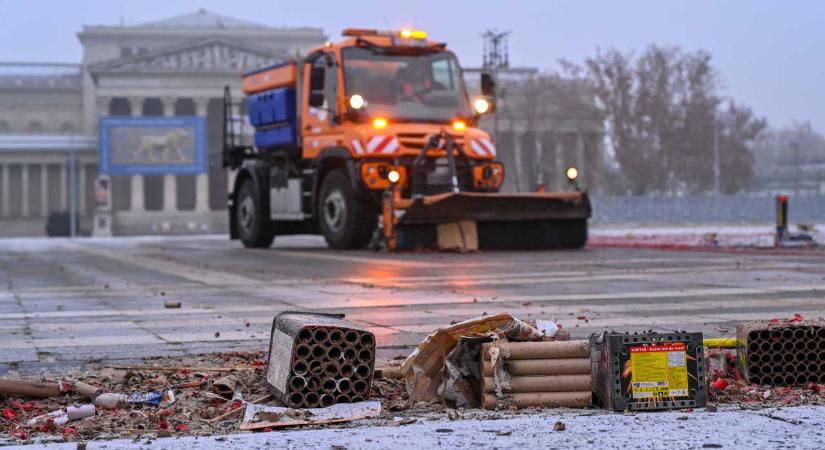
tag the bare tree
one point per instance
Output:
(661, 109)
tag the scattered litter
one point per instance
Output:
(559, 426)
(547, 327)
(258, 417)
(63, 416)
(407, 421)
(225, 386)
(171, 304)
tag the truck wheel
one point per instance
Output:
(346, 221)
(254, 228)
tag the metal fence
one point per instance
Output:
(702, 210)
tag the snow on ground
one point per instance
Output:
(761, 236)
(799, 428)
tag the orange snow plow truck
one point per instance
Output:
(374, 140)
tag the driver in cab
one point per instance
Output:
(414, 81)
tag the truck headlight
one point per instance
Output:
(481, 105)
(393, 176)
(356, 102)
(572, 173)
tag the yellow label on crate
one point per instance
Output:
(659, 372)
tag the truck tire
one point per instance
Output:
(254, 227)
(346, 221)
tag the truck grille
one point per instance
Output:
(416, 141)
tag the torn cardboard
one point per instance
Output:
(258, 417)
(457, 236)
(424, 369)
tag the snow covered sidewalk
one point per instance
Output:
(731, 427)
(756, 236)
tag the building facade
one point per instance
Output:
(176, 67)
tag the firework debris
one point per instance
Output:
(161, 397)
(215, 394)
(259, 417)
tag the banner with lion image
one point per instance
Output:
(152, 145)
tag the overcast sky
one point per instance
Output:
(771, 53)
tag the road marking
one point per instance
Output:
(254, 315)
(84, 341)
(200, 275)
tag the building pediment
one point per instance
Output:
(213, 55)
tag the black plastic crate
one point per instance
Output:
(648, 371)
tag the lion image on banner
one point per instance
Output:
(162, 147)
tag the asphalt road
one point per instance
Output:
(63, 303)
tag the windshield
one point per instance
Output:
(425, 87)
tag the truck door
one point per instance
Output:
(321, 105)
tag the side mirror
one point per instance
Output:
(488, 86)
(316, 99)
(316, 79)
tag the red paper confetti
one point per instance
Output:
(720, 384)
(69, 432)
(21, 434)
(47, 427)
(9, 414)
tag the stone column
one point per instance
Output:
(6, 200)
(44, 190)
(64, 192)
(168, 106)
(581, 158)
(517, 157)
(81, 189)
(138, 204)
(24, 190)
(561, 167)
(170, 182)
(539, 158)
(103, 109)
(202, 179)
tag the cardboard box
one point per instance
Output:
(458, 236)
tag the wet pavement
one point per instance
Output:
(64, 303)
